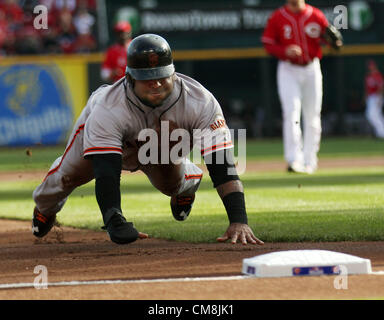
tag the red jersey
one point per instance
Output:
(116, 61)
(374, 83)
(12, 11)
(303, 29)
(4, 31)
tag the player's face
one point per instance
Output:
(372, 67)
(153, 92)
(123, 37)
(295, 2)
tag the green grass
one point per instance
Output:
(266, 149)
(330, 148)
(332, 205)
(39, 158)
(345, 204)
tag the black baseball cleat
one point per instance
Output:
(181, 206)
(119, 230)
(41, 224)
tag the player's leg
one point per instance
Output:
(290, 99)
(374, 114)
(379, 106)
(311, 104)
(181, 203)
(66, 173)
(179, 181)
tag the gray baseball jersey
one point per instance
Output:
(117, 117)
(112, 121)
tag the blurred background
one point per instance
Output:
(50, 64)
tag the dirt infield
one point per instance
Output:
(82, 255)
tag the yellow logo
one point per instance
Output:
(26, 90)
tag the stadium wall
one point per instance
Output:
(41, 96)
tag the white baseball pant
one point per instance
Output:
(300, 91)
(72, 170)
(374, 114)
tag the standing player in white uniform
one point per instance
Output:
(374, 90)
(107, 138)
(293, 35)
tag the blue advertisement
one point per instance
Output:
(35, 106)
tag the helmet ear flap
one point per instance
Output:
(130, 80)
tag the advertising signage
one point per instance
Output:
(210, 24)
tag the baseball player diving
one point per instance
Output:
(112, 131)
(293, 35)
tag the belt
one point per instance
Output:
(301, 64)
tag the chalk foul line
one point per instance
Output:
(103, 282)
(25, 285)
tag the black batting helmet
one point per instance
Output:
(149, 57)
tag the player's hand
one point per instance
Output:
(143, 235)
(240, 232)
(293, 51)
(339, 43)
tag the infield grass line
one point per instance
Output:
(41, 157)
(334, 204)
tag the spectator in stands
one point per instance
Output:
(14, 17)
(66, 32)
(113, 67)
(7, 35)
(13, 12)
(3, 32)
(91, 4)
(70, 27)
(69, 5)
(84, 22)
(28, 39)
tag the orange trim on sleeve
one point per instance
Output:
(217, 147)
(111, 149)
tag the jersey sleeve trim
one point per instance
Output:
(220, 146)
(96, 150)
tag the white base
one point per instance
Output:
(305, 262)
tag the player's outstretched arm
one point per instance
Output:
(107, 171)
(230, 189)
(232, 195)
